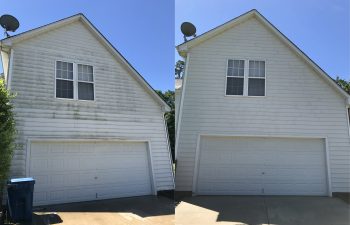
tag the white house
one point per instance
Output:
(257, 116)
(89, 126)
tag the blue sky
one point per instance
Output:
(320, 28)
(143, 31)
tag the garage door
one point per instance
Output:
(82, 171)
(261, 166)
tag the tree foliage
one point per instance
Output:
(179, 69)
(343, 84)
(7, 134)
(169, 98)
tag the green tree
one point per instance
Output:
(343, 84)
(169, 98)
(179, 69)
(7, 134)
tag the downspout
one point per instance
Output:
(178, 124)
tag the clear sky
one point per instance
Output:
(320, 28)
(143, 31)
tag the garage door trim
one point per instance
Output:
(111, 140)
(197, 154)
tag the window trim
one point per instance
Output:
(75, 81)
(246, 77)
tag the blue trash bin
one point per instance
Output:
(20, 198)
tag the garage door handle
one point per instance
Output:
(263, 173)
(95, 178)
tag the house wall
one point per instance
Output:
(122, 108)
(178, 90)
(297, 103)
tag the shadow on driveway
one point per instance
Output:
(145, 210)
(257, 210)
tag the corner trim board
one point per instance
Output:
(181, 105)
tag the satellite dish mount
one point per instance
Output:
(9, 23)
(188, 30)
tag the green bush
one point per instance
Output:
(7, 134)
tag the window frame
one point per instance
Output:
(226, 76)
(246, 77)
(75, 81)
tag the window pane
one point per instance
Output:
(235, 68)
(256, 87)
(64, 70)
(85, 73)
(262, 69)
(235, 71)
(85, 91)
(64, 89)
(70, 67)
(234, 86)
(70, 75)
(64, 74)
(59, 74)
(229, 71)
(256, 69)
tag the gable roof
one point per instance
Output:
(9, 41)
(186, 46)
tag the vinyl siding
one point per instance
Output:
(297, 103)
(122, 107)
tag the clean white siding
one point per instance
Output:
(122, 108)
(298, 101)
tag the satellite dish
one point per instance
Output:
(9, 23)
(188, 30)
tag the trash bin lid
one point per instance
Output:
(25, 179)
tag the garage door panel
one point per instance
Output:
(122, 177)
(250, 165)
(295, 189)
(75, 171)
(231, 188)
(230, 173)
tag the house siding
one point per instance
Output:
(122, 107)
(297, 103)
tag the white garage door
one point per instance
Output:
(82, 171)
(261, 166)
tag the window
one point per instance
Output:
(67, 81)
(256, 80)
(64, 80)
(245, 78)
(235, 77)
(85, 82)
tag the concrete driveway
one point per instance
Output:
(254, 210)
(145, 210)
